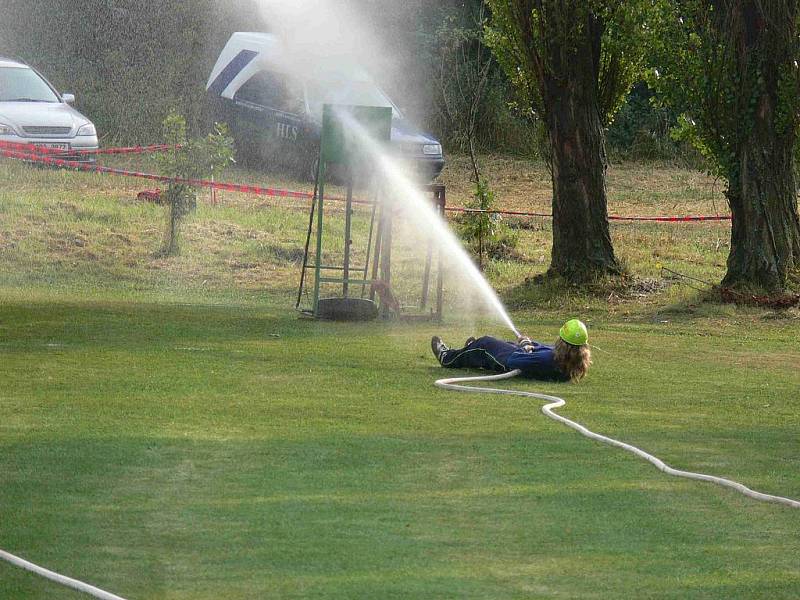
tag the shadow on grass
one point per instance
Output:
(93, 323)
(644, 298)
(553, 292)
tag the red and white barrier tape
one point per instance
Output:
(684, 219)
(124, 150)
(665, 219)
(41, 156)
(461, 209)
(82, 166)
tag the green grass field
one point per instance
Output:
(170, 429)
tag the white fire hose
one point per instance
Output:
(60, 579)
(453, 383)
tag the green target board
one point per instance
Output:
(347, 129)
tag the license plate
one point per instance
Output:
(56, 146)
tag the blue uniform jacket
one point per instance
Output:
(498, 355)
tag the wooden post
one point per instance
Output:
(378, 244)
(426, 276)
(348, 214)
(441, 201)
(369, 245)
(318, 258)
(386, 254)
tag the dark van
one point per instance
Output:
(273, 104)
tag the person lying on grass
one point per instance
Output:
(567, 360)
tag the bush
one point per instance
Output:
(642, 130)
(485, 233)
(189, 159)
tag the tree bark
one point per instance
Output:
(765, 234)
(171, 242)
(582, 248)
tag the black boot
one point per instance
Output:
(438, 347)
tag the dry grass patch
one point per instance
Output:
(633, 188)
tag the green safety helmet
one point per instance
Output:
(574, 332)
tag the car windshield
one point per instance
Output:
(358, 93)
(20, 84)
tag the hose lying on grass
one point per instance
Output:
(61, 579)
(453, 383)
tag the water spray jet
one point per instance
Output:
(355, 140)
(363, 291)
(404, 196)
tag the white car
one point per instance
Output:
(33, 112)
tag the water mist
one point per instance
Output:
(324, 32)
(407, 197)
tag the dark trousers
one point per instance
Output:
(484, 353)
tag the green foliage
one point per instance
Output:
(187, 160)
(465, 65)
(128, 61)
(195, 158)
(643, 130)
(486, 233)
(622, 52)
(504, 38)
(697, 80)
(528, 45)
(699, 73)
(457, 63)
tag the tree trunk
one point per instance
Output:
(170, 246)
(765, 234)
(582, 248)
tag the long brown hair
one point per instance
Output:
(574, 361)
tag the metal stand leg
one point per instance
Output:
(348, 222)
(308, 241)
(318, 262)
(369, 241)
(378, 248)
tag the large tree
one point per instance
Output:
(731, 66)
(573, 61)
